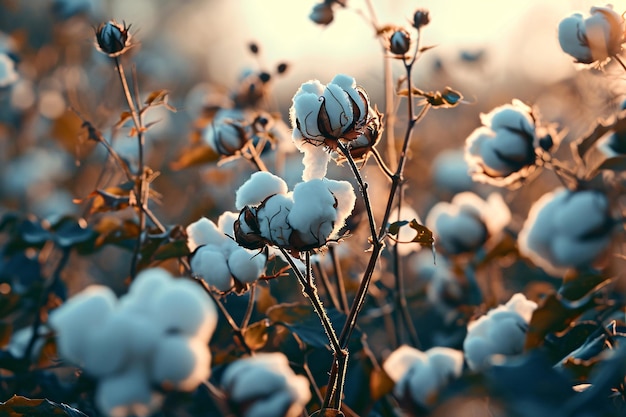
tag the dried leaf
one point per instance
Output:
(256, 334)
(18, 406)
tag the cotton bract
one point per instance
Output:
(593, 38)
(265, 386)
(465, 224)
(218, 259)
(502, 331)
(567, 229)
(502, 151)
(157, 333)
(419, 375)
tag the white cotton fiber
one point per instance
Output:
(79, 317)
(210, 264)
(260, 186)
(246, 265)
(203, 232)
(126, 393)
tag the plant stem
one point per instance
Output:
(250, 307)
(231, 322)
(141, 189)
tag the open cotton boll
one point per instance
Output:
(259, 186)
(313, 213)
(246, 265)
(268, 398)
(127, 393)
(78, 318)
(181, 363)
(502, 331)
(272, 218)
(183, 307)
(398, 363)
(210, 264)
(204, 232)
(143, 335)
(514, 116)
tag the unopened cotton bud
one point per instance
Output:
(112, 38)
(399, 42)
(421, 18)
(322, 14)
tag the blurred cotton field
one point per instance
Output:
(312, 208)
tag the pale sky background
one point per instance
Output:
(518, 36)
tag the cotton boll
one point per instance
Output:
(279, 383)
(260, 186)
(246, 265)
(78, 318)
(571, 45)
(511, 117)
(184, 308)
(272, 218)
(478, 350)
(400, 360)
(181, 363)
(203, 232)
(422, 382)
(209, 263)
(126, 393)
(143, 336)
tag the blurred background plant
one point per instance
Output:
(117, 137)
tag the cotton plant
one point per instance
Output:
(593, 38)
(505, 149)
(567, 229)
(467, 222)
(218, 259)
(499, 333)
(306, 218)
(264, 385)
(156, 334)
(418, 376)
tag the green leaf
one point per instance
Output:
(18, 406)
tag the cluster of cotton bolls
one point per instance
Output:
(567, 229)
(218, 259)
(418, 375)
(502, 331)
(467, 222)
(158, 333)
(264, 385)
(304, 219)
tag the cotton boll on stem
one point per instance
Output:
(272, 218)
(313, 213)
(260, 186)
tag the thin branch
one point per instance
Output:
(341, 286)
(248, 314)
